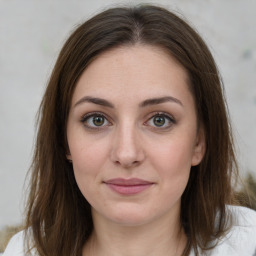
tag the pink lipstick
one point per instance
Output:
(128, 186)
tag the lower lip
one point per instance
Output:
(129, 190)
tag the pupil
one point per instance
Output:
(98, 120)
(159, 121)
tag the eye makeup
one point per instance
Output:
(160, 120)
(156, 120)
(95, 120)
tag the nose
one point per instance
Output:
(127, 148)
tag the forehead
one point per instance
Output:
(140, 70)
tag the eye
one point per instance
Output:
(95, 120)
(160, 121)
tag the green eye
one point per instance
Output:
(162, 121)
(98, 120)
(159, 121)
(95, 120)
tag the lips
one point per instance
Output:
(128, 186)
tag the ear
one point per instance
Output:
(200, 147)
(69, 157)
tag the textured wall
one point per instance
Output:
(31, 34)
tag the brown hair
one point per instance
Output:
(58, 215)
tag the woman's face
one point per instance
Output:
(133, 135)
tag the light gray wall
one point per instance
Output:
(31, 34)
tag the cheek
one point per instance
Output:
(88, 159)
(86, 166)
(175, 154)
(175, 172)
(88, 153)
(173, 163)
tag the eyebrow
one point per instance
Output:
(97, 101)
(145, 103)
(155, 101)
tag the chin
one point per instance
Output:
(130, 217)
(130, 221)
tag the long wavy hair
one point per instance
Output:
(58, 216)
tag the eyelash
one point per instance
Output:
(86, 117)
(170, 119)
(166, 116)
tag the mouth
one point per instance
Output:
(128, 186)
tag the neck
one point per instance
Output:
(161, 237)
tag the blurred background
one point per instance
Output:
(31, 35)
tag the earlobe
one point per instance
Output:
(199, 149)
(69, 157)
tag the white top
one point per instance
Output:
(240, 241)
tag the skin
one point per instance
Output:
(131, 142)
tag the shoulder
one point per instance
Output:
(16, 246)
(243, 217)
(241, 238)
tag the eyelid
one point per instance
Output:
(85, 117)
(170, 118)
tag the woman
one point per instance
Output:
(134, 153)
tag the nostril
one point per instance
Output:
(126, 149)
(128, 164)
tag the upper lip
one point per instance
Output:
(128, 182)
